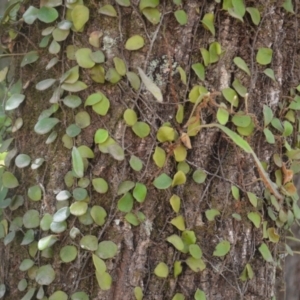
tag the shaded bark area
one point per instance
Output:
(141, 248)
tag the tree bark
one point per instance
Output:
(140, 248)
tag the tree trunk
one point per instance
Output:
(141, 248)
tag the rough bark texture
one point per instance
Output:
(141, 248)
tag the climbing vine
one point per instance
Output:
(77, 215)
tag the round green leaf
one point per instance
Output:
(89, 242)
(45, 275)
(152, 14)
(45, 125)
(195, 251)
(80, 296)
(199, 176)
(83, 58)
(141, 129)
(68, 253)
(255, 218)
(102, 107)
(108, 10)
(58, 227)
(26, 264)
(59, 295)
(135, 163)
(72, 101)
(62, 214)
(98, 214)
(104, 281)
(176, 241)
(130, 117)
(162, 182)
(101, 136)
(80, 15)
(140, 192)
(181, 17)
(9, 180)
(47, 14)
(46, 221)
(82, 119)
(165, 134)
(100, 185)
(264, 56)
(161, 270)
(107, 249)
(35, 193)
(222, 249)
(14, 101)
(125, 203)
(31, 219)
(78, 208)
(134, 43)
(80, 194)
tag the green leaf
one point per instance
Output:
(140, 192)
(195, 265)
(78, 208)
(108, 10)
(74, 87)
(222, 114)
(241, 90)
(29, 58)
(77, 163)
(14, 101)
(101, 136)
(255, 14)
(102, 107)
(165, 134)
(107, 249)
(73, 130)
(148, 3)
(268, 115)
(47, 14)
(100, 185)
(231, 96)
(152, 14)
(82, 119)
(132, 219)
(99, 264)
(199, 70)
(264, 56)
(125, 186)
(135, 163)
(134, 80)
(138, 293)
(269, 136)
(45, 125)
(125, 203)
(215, 51)
(288, 6)
(35, 193)
(265, 252)
(151, 86)
(22, 160)
(161, 270)
(270, 73)
(211, 214)
(59, 295)
(113, 76)
(252, 198)
(239, 7)
(222, 249)
(26, 264)
(124, 3)
(287, 128)
(175, 203)
(177, 268)
(80, 296)
(115, 151)
(255, 218)
(178, 222)
(241, 120)
(273, 235)
(68, 253)
(182, 74)
(83, 58)
(176, 241)
(195, 251)
(89, 242)
(181, 17)
(45, 275)
(242, 65)
(159, 156)
(130, 117)
(178, 296)
(178, 179)
(134, 43)
(9, 180)
(98, 214)
(205, 56)
(208, 23)
(80, 15)
(199, 295)
(199, 176)
(141, 129)
(30, 16)
(104, 280)
(162, 182)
